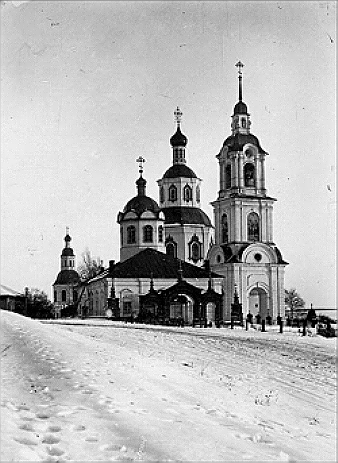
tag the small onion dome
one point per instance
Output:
(237, 141)
(179, 170)
(68, 238)
(66, 277)
(67, 252)
(140, 204)
(240, 108)
(178, 139)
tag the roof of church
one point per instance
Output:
(139, 204)
(66, 277)
(240, 108)
(179, 170)
(150, 263)
(186, 215)
(67, 252)
(237, 141)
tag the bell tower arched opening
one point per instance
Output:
(258, 304)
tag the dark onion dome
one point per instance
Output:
(66, 277)
(178, 139)
(186, 215)
(240, 108)
(68, 238)
(140, 204)
(67, 252)
(179, 170)
(237, 141)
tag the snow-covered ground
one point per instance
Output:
(103, 391)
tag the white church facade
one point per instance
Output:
(174, 264)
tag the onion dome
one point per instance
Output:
(179, 170)
(68, 238)
(178, 139)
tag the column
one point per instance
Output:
(240, 171)
(263, 172)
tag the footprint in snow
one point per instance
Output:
(26, 440)
(27, 427)
(50, 439)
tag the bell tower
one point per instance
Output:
(244, 251)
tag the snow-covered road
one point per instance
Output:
(102, 391)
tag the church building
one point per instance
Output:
(174, 264)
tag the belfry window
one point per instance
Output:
(160, 234)
(161, 194)
(148, 234)
(253, 227)
(225, 230)
(243, 123)
(131, 234)
(172, 193)
(198, 194)
(63, 295)
(187, 193)
(249, 174)
(228, 176)
(55, 296)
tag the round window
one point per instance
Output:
(258, 256)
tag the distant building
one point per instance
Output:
(11, 300)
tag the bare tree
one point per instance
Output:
(293, 300)
(90, 266)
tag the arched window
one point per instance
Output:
(228, 176)
(160, 234)
(243, 123)
(148, 234)
(55, 296)
(172, 193)
(161, 194)
(187, 193)
(170, 247)
(195, 252)
(75, 295)
(63, 295)
(195, 247)
(198, 194)
(253, 227)
(249, 174)
(121, 236)
(225, 229)
(131, 234)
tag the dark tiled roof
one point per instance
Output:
(151, 263)
(66, 277)
(179, 170)
(186, 215)
(237, 141)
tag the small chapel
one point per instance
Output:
(175, 266)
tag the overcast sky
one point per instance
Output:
(87, 87)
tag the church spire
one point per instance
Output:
(239, 65)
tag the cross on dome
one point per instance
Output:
(140, 161)
(239, 66)
(178, 116)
